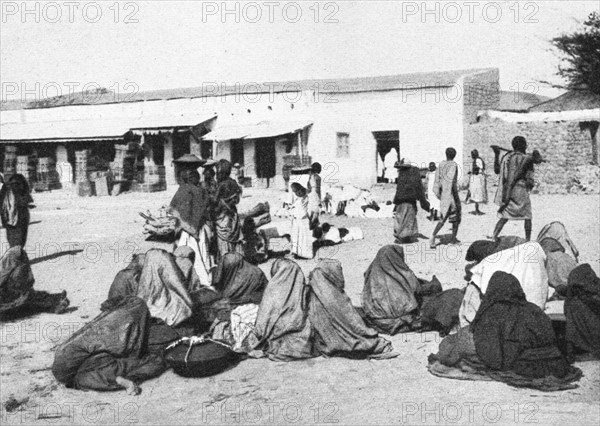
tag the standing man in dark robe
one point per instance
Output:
(515, 183)
(15, 202)
(445, 188)
(228, 226)
(190, 205)
(409, 190)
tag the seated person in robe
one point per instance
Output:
(112, 352)
(338, 328)
(17, 296)
(392, 294)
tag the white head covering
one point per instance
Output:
(300, 179)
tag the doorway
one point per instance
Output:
(265, 159)
(237, 151)
(388, 150)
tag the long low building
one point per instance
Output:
(345, 124)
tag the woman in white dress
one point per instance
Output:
(301, 235)
(434, 201)
(477, 183)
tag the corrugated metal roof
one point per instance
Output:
(329, 85)
(574, 100)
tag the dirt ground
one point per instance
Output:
(79, 245)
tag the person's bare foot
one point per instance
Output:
(130, 387)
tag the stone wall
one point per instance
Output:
(569, 146)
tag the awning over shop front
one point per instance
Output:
(96, 129)
(155, 124)
(264, 129)
(62, 131)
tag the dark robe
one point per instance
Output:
(14, 210)
(17, 296)
(440, 312)
(113, 344)
(338, 327)
(388, 296)
(239, 281)
(409, 190)
(481, 249)
(582, 309)
(191, 205)
(512, 334)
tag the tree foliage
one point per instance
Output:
(580, 66)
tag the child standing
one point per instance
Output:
(301, 235)
(434, 202)
(314, 194)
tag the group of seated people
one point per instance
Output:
(496, 328)
(158, 299)
(506, 332)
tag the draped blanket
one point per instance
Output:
(388, 296)
(163, 287)
(339, 329)
(190, 204)
(17, 296)
(111, 345)
(582, 309)
(16, 279)
(239, 281)
(282, 325)
(512, 334)
(526, 262)
(558, 231)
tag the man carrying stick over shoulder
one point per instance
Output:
(515, 183)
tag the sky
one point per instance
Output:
(50, 47)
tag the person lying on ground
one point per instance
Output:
(329, 235)
(17, 296)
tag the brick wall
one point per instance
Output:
(567, 145)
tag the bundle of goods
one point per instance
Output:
(47, 177)
(83, 186)
(123, 167)
(150, 179)
(200, 357)
(9, 165)
(162, 228)
(26, 167)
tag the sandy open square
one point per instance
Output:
(79, 244)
